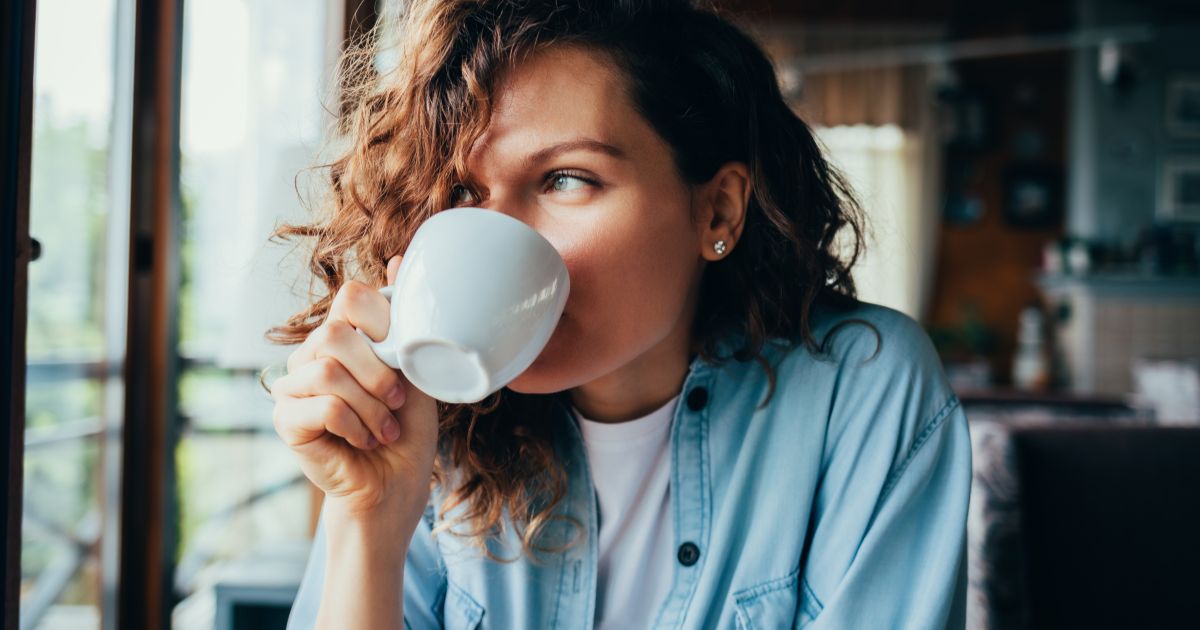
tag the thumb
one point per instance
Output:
(393, 265)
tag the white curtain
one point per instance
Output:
(895, 174)
(876, 122)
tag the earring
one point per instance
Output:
(719, 247)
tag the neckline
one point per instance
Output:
(655, 422)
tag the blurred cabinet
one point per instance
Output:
(1105, 323)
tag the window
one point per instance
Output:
(79, 204)
(254, 80)
(253, 111)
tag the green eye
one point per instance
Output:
(567, 183)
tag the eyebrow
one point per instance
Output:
(580, 144)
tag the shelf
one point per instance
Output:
(1123, 284)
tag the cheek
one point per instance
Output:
(611, 272)
(628, 287)
(629, 284)
(613, 314)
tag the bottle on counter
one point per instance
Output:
(1031, 369)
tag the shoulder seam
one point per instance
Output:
(938, 420)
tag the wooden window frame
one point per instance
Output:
(147, 514)
(16, 118)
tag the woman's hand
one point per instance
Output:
(364, 435)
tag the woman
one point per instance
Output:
(718, 432)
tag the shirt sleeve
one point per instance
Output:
(905, 553)
(424, 581)
(888, 541)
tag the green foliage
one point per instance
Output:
(972, 337)
(68, 215)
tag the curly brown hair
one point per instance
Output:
(705, 87)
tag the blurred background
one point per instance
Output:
(1031, 171)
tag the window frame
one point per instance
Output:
(16, 251)
(148, 524)
(148, 518)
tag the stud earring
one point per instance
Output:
(719, 247)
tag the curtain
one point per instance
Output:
(875, 121)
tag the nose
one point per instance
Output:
(512, 206)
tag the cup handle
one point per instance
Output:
(384, 349)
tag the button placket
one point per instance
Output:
(690, 488)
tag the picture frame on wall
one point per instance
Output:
(1183, 106)
(1033, 196)
(1179, 194)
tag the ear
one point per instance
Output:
(722, 213)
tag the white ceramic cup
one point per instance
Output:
(475, 300)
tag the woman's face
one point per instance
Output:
(567, 154)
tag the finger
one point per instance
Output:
(299, 421)
(326, 375)
(336, 339)
(362, 307)
(393, 266)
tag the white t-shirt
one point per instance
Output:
(631, 468)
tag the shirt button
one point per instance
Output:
(697, 398)
(689, 553)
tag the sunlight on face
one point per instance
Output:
(567, 153)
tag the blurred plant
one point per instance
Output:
(971, 338)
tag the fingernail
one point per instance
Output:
(391, 430)
(372, 442)
(395, 397)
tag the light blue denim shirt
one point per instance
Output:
(841, 504)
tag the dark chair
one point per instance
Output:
(1111, 525)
